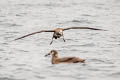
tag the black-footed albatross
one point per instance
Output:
(56, 60)
(58, 32)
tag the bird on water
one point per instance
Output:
(57, 33)
(56, 60)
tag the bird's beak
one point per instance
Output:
(47, 54)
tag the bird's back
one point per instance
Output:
(70, 60)
(58, 30)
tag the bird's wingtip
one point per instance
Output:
(103, 30)
(15, 39)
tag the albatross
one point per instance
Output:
(56, 60)
(57, 33)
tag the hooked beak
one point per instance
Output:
(47, 54)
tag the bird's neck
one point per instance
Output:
(54, 59)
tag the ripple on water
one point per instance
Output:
(9, 24)
(40, 77)
(7, 78)
(115, 74)
(80, 45)
(80, 21)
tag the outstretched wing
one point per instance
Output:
(34, 33)
(81, 28)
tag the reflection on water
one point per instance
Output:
(24, 59)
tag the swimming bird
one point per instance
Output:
(57, 60)
(57, 33)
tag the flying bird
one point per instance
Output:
(58, 32)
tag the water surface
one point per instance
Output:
(24, 59)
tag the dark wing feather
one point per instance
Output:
(34, 33)
(81, 28)
(66, 59)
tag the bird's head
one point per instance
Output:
(52, 52)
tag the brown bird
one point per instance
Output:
(56, 59)
(58, 32)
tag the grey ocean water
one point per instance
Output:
(24, 59)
